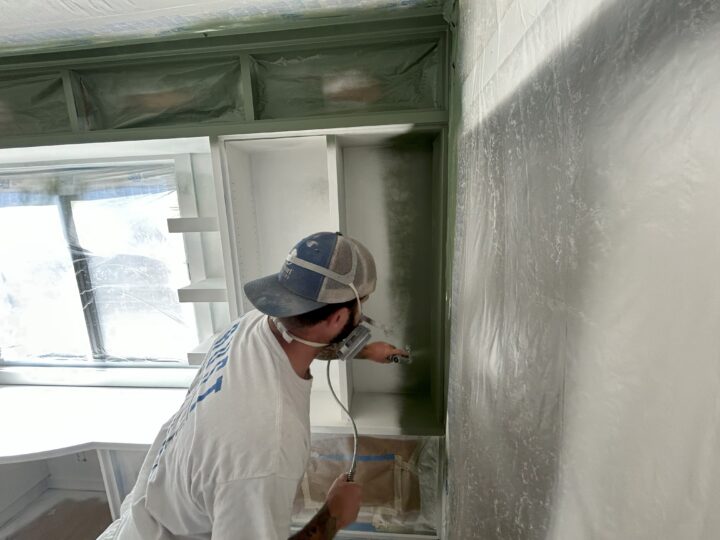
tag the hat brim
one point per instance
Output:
(270, 297)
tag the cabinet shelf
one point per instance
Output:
(207, 290)
(376, 414)
(197, 355)
(192, 224)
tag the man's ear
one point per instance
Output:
(337, 319)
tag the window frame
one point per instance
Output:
(99, 372)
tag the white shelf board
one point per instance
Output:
(192, 224)
(376, 414)
(51, 421)
(197, 355)
(207, 290)
(60, 420)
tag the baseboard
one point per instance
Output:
(25, 500)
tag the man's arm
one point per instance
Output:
(323, 526)
(340, 510)
(378, 351)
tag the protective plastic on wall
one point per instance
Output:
(367, 79)
(160, 94)
(88, 270)
(34, 104)
(584, 378)
(400, 479)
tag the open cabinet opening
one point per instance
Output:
(383, 187)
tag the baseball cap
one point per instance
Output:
(323, 268)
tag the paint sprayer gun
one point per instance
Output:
(401, 359)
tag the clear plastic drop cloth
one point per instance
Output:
(88, 271)
(399, 476)
(32, 105)
(368, 79)
(39, 24)
(160, 94)
(584, 392)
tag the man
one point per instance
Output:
(227, 465)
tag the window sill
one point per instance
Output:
(139, 377)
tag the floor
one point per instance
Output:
(61, 515)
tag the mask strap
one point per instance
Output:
(288, 337)
(345, 279)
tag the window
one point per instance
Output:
(88, 271)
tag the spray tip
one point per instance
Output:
(400, 359)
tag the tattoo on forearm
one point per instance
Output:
(322, 526)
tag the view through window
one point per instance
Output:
(88, 271)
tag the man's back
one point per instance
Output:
(228, 463)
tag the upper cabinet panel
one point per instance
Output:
(160, 94)
(369, 78)
(33, 104)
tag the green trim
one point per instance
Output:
(247, 87)
(378, 31)
(70, 101)
(257, 126)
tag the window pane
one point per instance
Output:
(40, 306)
(136, 267)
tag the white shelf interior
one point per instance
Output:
(278, 192)
(382, 188)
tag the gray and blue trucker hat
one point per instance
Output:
(324, 268)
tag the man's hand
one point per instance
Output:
(343, 501)
(380, 351)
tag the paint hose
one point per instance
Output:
(353, 464)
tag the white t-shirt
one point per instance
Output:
(227, 465)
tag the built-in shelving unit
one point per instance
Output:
(382, 186)
(207, 290)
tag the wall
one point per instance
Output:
(584, 379)
(18, 480)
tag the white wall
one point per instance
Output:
(80, 471)
(16, 481)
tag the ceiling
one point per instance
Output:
(41, 25)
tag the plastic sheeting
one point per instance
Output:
(156, 94)
(32, 104)
(366, 79)
(400, 479)
(584, 396)
(88, 270)
(34, 24)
